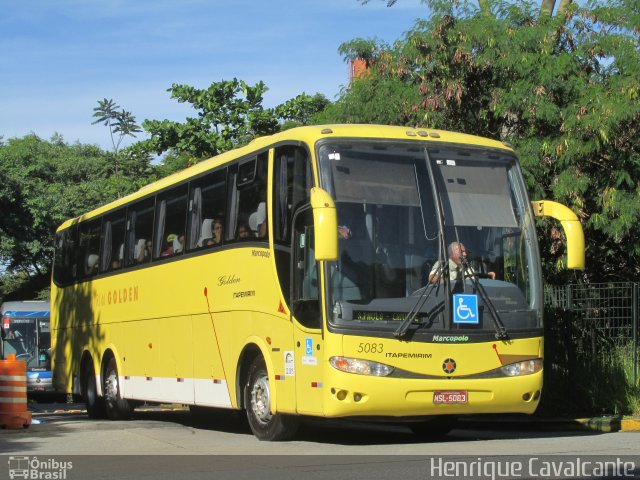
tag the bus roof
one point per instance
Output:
(309, 135)
(26, 308)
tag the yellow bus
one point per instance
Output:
(307, 274)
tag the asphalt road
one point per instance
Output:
(161, 442)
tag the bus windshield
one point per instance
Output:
(29, 339)
(404, 212)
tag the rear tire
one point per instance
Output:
(117, 407)
(264, 424)
(95, 404)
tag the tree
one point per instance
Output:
(300, 110)
(43, 183)
(230, 114)
(121, 124)
(562, 89)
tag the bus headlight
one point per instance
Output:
(522, 368)
(360, 367)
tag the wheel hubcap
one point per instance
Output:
(260, 399)
(111, 386)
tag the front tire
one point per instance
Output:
(264, 424)
(117, 407)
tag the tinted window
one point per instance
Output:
(113, 235)
(139, 232)
(89, 251)
(207, 200)
(65, 262)
(171, 222)
(293, 182)
(248, 204)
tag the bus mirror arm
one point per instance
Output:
(325, 225)
(571, 226)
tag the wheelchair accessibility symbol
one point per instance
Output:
(465, 309)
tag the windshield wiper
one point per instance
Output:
(401, 331)
(501, 330)
(443, 268)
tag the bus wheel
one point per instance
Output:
(436, 427)
(95, 404)
(264, 424)
(117, 407)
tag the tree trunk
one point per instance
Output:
(547, 7)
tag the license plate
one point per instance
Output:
(449, 397)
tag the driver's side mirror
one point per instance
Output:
(325, 225)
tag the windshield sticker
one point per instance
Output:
(451, 163)
(289, 365)
(334, 156)
(465, 309)
(379, 316)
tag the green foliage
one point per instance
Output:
(43, 183)
(563, 90)
(372, 99)
(299, 110)
(368, 50)
(230, 114)
(585, 373)
(121, 124)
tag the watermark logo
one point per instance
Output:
(494, 468)
(38, 469)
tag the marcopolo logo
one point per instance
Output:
(34, 468)
(450, 338)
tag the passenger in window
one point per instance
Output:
(178, 244)
(244, 232)
(169, 245)
(216, 233)
(92, 264)
(115, 264)
(144, 253)
(344, 232)
(258, 221)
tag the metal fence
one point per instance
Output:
(607, 313)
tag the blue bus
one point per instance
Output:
(26, 334)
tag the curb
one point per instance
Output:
(611, 424)
(604, 424)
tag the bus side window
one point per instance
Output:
(139, 232)
(113, 232)
(171, 218)
(89, 247)
(65, 263)
(248, 202)
(207, 199)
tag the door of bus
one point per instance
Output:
(306, 312)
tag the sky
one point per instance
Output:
(58, 58)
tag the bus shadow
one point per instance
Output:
(351, 433)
